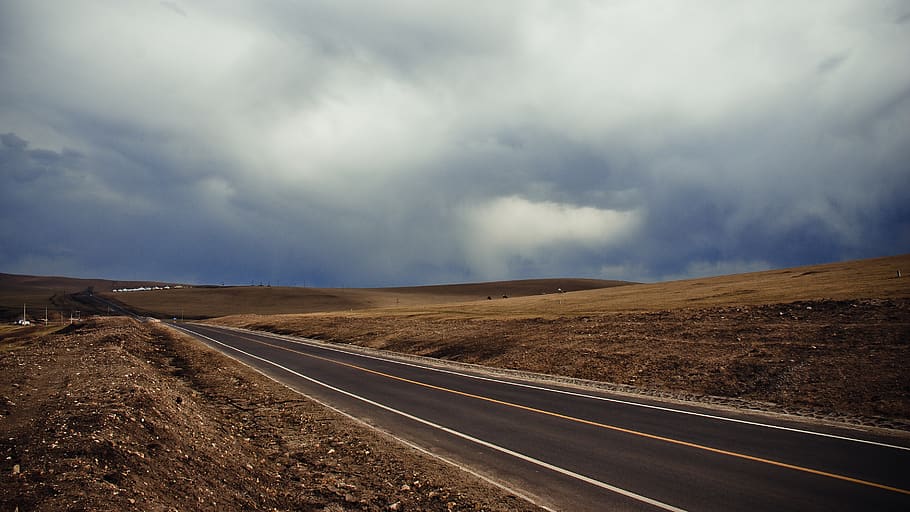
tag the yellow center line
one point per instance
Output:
(594, 423)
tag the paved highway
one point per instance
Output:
(570, 450)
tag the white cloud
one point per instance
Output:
(355, 136)
(506, 229)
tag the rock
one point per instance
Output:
(395, 506)
(405, 487)
(16, 469)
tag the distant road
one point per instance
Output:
(590, 451)
(100, 304)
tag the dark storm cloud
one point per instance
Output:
(335, 143)
(30, 169)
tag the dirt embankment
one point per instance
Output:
(822, 358)
(116, 415)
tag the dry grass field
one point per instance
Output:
(822, 340)
(207, 302)
(536, 298)
(825, 339)
(60, 296)
(873, 278)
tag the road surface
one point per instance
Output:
(571, 450)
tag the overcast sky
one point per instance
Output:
(340, 143)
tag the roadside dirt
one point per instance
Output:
(117, 415)
(843, 360)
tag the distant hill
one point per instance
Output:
(875, 278)
(871, 278)
(53, 293)
(61, 296)
(207, 302)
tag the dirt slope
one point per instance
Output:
(116, 415)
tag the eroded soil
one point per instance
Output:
(117, 415)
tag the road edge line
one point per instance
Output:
(521, 456)
(519, 494)
(318, 344)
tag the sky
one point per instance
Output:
(383, 143)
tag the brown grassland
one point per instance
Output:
(208, 302)
(114, 414)
(55, 295)
(825, 340)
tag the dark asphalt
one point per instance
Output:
(591, 450)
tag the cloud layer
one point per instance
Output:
(335, 143)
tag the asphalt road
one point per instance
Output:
(572, 450)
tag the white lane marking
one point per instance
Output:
(582, 395)
(533, 500)
(521, 456)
